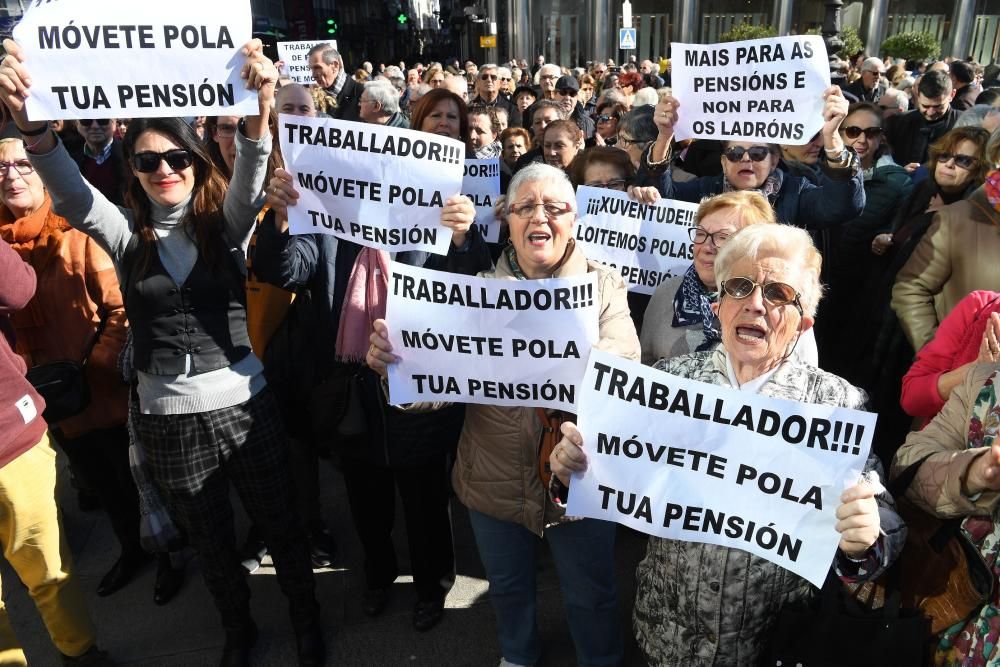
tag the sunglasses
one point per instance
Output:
(776, 294)
(87, 122)
(604, 118)
(756, 153)
(853, 132)
(147, 162)
(567, 92)
(963, 161)
(488, 77)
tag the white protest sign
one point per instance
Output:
(691, 461)
(647, 243)
(382, 187)
(295, 56)
(481, 184)
(127, 59)
(759, 90)
(489, 340)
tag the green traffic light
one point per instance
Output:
(329, 21)
(402, 19)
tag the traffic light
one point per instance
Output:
(331, 26)
(402, 18)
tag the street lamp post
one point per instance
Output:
(831, 37)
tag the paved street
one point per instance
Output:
(186, 631)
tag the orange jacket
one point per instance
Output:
(77, 286)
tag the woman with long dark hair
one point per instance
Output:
(206, 418)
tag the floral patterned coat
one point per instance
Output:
(702, 604)
(965, 428)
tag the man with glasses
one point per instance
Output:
(910, 134)
(871, 86)
(488, 89)
(893, 102)
(567, 90)
(101, 159)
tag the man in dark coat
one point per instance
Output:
(101, 159)
(328, 71)
(911, 134)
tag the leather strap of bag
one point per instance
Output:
(97, 336)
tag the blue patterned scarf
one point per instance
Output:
(693, 304)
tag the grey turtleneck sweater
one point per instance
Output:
(111, 227)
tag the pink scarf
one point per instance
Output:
(364, 302)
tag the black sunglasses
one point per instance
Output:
(963, 161)
(488, 77)
(147, 162)
(756, 153)
(777, 294)
(854, 132)
(567, 92)
(604, 118)
(87, 122)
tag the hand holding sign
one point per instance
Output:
(458, 215)
(14, 82)
(858, 519)
(834, 112)
(280, 195)
(380, 353)
(568, 456)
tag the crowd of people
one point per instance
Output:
(156, 255)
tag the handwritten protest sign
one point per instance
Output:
(758, 90)
(295, 56)
(481, 183)
(383, 187)
(488, 340)
(691, 461)
(127, 59)
(647, 243)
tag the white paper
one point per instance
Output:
(481, 183)
(647, 243)
(128, 59)
(766, 90)
(382, 187)
(489, 340)
(295, 59)
(655, 462)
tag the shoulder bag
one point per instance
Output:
(63, 384)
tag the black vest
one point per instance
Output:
(205, 317)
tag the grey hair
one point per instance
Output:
(755, 242)
(504, 71)
(549, 67)
(639, 124)
(538, 171)
(383, 92)
(645, 97)
(487, 66)
(974, 116)
(551, 104)
(898, 97)
(330, 54)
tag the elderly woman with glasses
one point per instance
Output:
(496, 473)
(753, 165)
(769, 289)
(679, 319)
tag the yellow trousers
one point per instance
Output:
(33, 543)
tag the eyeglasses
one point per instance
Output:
(147, 162)
(567, 92)
(549, 76)
(552, 209)
(228, 130)
(626, 142)
(756, 153)
(20, 167)
(614, 184)
(604, 118)
(963, 161)
(853, 132)
(776, 294)
(699, 236)
(87, 122)
(488, 77)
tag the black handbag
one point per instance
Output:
(835, 631)
(63, 384)
(336, 407)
